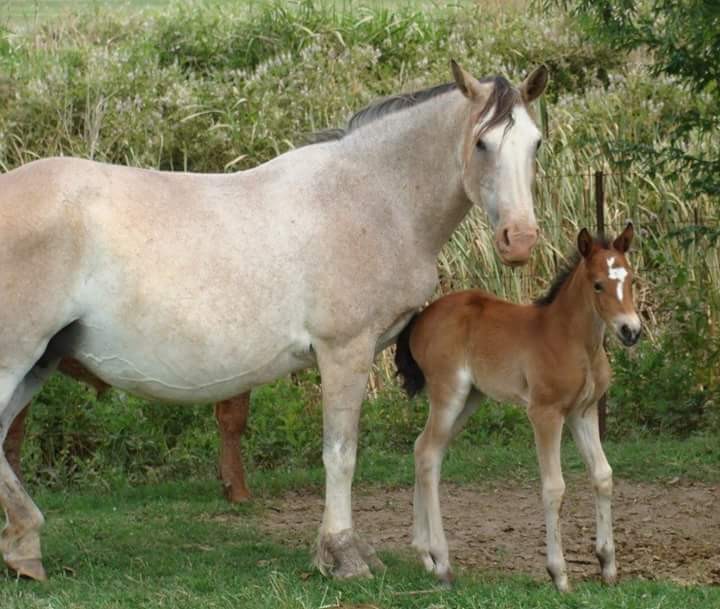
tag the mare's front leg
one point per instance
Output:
(547, 422)
(584, 427)
(344, 369)
(232, 417)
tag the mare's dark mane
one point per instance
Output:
(503, 98)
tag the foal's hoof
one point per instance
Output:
(31, 568)
(609, 576)
(562, 584)
(236, 494)
(344, 556)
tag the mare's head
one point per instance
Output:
(609, 278)
(498, 157)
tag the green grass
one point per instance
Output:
(179, 545)
(643, 459)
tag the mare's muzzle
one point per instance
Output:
(514, 243)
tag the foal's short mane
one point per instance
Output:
(566, 270)
(503, 98)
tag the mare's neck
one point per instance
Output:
(412, 158)
(572, 313)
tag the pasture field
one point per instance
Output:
(178, 544)
(134, 514)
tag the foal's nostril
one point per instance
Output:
(506, 237)
(626, 332)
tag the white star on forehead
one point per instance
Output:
(619, 274)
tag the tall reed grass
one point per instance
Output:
(217, 87)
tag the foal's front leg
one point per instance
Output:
(584, 427)
(547, 422)
(344, 370)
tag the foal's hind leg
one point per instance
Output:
(20, 539)
(547, 422)
(450, 406)
(232, 417)
(584, 427)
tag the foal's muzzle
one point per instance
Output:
(629, 336)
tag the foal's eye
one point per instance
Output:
(481, 145)
(598, 286)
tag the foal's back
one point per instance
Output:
(475, 333)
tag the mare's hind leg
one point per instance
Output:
(584, 427)
(450, 407)
(20, 539)
(14, 441)
(547, 424)
(232, 417)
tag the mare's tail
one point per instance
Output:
(413, 377)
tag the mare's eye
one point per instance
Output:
(481, 145)
(537, 146)
(598, 286)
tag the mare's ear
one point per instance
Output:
(469, 85)
(585, 243)
(534, 85)
(622, 243)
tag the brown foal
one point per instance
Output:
(547, 356)
(231, 416)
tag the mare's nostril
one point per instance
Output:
(626, 332)
(506, 237)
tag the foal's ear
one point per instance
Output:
(534, 85)
(622, 243)
(469, 85)
(585, 243)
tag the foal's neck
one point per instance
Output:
(573, 313)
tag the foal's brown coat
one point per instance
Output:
(548, 357)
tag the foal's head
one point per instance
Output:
(498, 157)
(610, 278)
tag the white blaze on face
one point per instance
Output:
(618, 274)
(510, 199)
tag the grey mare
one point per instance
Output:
(192, 287)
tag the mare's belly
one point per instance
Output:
(181, 370)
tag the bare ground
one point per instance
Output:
(662, 531)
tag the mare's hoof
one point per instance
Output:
(31, 568)
(343, 555)
(369, 555)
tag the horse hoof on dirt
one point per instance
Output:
(341, 556)
(236, 494)
(369, 555)
(32, 569)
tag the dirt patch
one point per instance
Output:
(669, 532)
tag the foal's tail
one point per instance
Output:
(413, 377)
